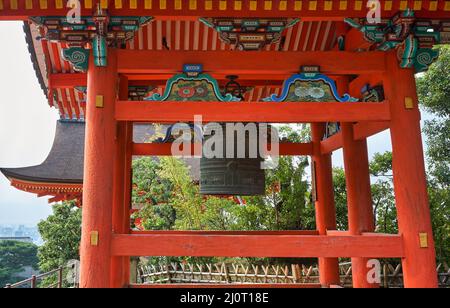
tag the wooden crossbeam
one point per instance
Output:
(165, 149)
(354, 41)
(169, 9)
(367, 129)
(331, 144)
(222, 232)
(300, 246)
(71, 80)
(361, 131)
(173, 112)
(252, 62)
(358, 83)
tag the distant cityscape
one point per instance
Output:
(21, 231)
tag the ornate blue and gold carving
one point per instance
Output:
(100, 50)
(413, 38)
(169, 136)
(389, 33)
(373, 94)
(119, 29)
(310, 88)
(200, 88)
(249, 34)
(331, 128)
(138, 93)
(78, 57)
(411, 55)
(135, 93)
(98, 32)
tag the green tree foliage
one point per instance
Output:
(14, 257)
(170, 200)
(434, 95)
(151, 193)
(185, 197)
(440, 218)
(292, 209)
(61, 233)
(291, 202)
(382, 194)
(340, 198)
(383, 198)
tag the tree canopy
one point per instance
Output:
(61, 233)
(14, 257)
(434, 95)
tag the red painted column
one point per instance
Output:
(414, 222)
(325, 206)
(359, 198)
(117, 263)
(95, 250)
(359, 195)
(127, 193)
(121, 205)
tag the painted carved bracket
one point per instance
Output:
(372, 94)
(197, 87)
(97, 32)
(249, 34)
(135, 93)
(310, 87)
(78, 57)
(413, 38)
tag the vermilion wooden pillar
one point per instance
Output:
(359, 195)
(414, 222)
(117, 263)
(95, 250)
(127, 193)
(121, 214)
(325, 206)
(359, 198)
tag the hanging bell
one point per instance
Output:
(233, 176)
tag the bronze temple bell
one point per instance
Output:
(233, 176)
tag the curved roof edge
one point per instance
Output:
(64, 163)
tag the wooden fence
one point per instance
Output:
(391, 275)
(33, 281)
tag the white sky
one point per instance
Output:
(27, 127)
